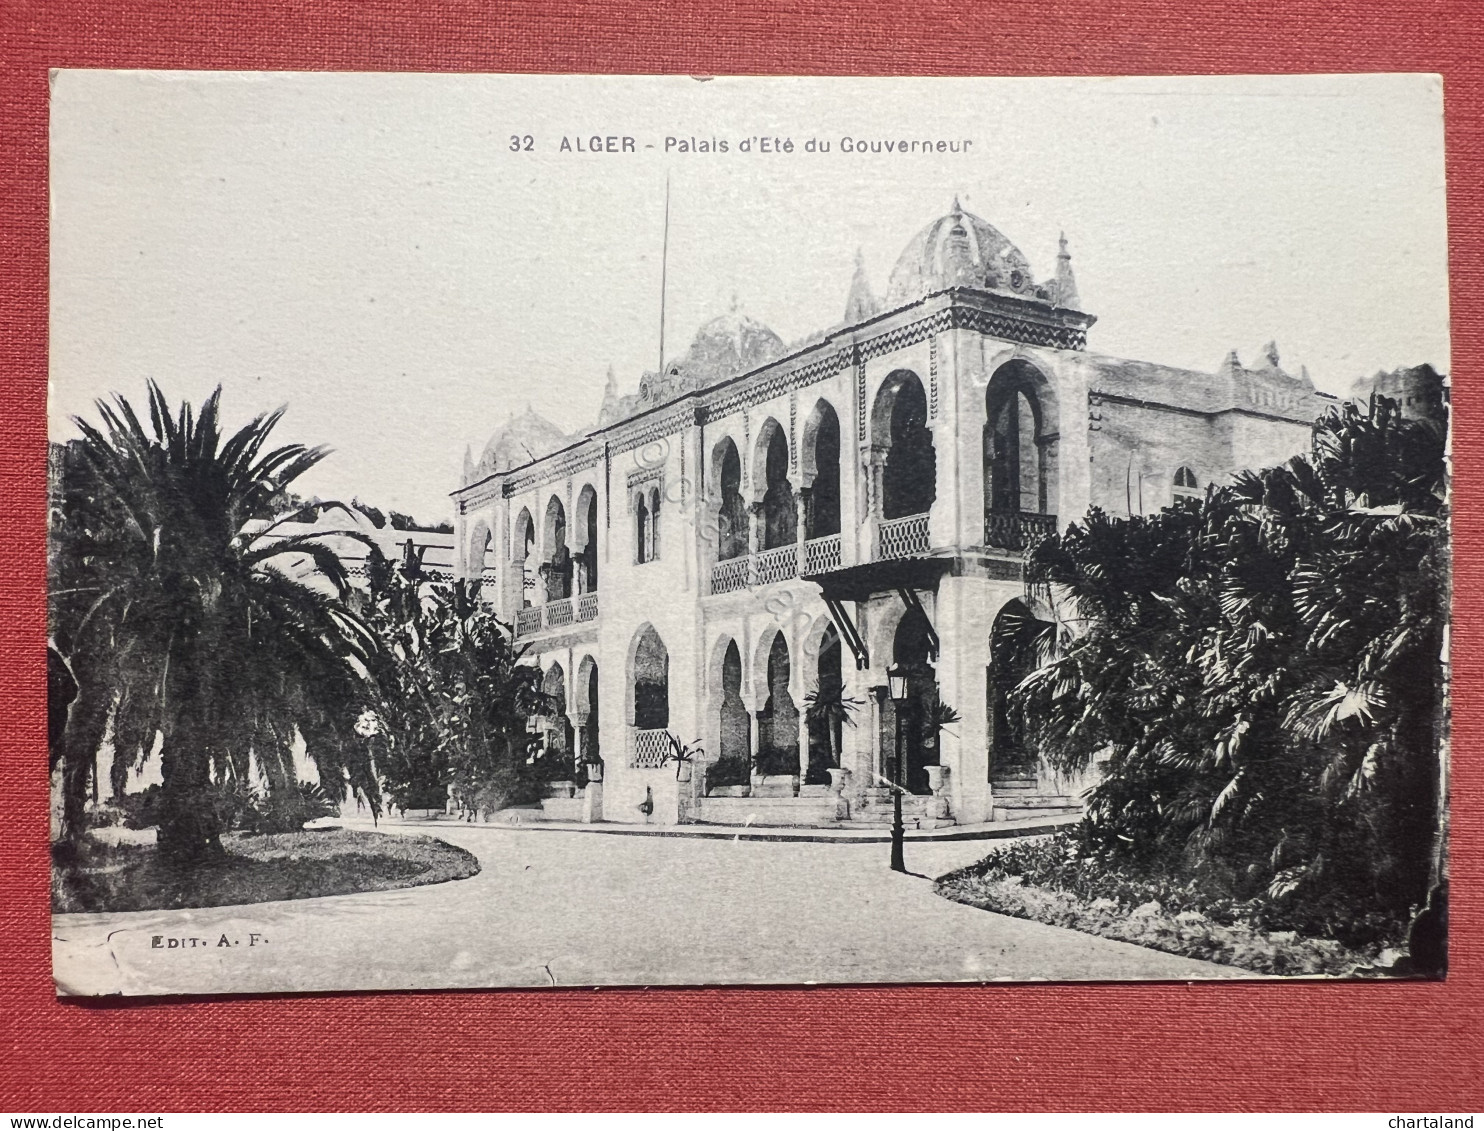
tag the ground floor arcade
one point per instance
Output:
(780, 706)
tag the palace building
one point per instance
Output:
(764, 527)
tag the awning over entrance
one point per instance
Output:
(862, 582)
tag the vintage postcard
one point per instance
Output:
(571, 531)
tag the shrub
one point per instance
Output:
(142, 809)
(282, 811)
(731, 770)
(1073, 862)
(1259, 679)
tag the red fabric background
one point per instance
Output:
(1251, 1046)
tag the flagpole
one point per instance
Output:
(664, 269)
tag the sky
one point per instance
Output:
(390, 258)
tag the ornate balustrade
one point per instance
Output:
(777, 564)
(647, 748)
(1017, 530)
(822, 554)
(731, 575)
(556, 614)
(587, 606)
(902, 537)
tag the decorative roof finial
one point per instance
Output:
(468, 465)
(957, 208)
(734, 302)
(1270, 354)
(860, 303)
(1066, 283)
(607, 411)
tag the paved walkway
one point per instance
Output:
(573, 909)
(857, 834)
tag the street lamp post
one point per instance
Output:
(896, 680)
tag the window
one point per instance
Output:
(1187, 486)
(731, 514)
(641, 528)
(654, 523)
(651, 674)
(646, 524)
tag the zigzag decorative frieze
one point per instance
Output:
(903, 336)
(561, 466)
(626, 437)
(1018, 329)
(658, 428)
(777, 383)
(486, 494)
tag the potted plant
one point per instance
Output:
(683, 755)
(939, 717)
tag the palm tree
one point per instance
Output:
(182, 613)
(1263, 671)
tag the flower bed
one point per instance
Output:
(114, 876)
(1049, 881)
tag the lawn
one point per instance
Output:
(112, 875)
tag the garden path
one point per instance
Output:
(574, 909)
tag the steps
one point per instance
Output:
(1020, 804)
(547, 809)
(918, 811)
(1018, 795)
(882, 819)
(778, 812)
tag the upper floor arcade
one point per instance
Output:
(957, 421)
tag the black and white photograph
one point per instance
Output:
(562, 531)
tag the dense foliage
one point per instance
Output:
(183, 620)
(1261, 676)
(453, 697)
(177, 615)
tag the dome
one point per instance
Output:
(728, 345)
(524, 438)
(960, 250)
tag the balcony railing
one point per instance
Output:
(556, 614)
(648, 748)
(902, 537)
(777, 564)
(822, 554)
(1017, 530)
(731, 575)
(587, 606)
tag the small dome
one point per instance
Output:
(728, 345)
(960, 250)
(524, 438)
